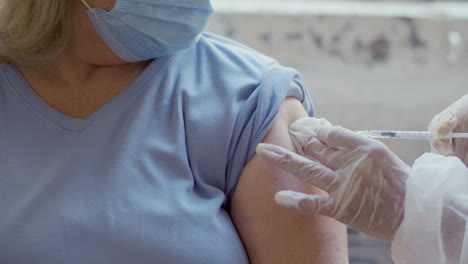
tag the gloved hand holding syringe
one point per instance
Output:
(422, 208)
(381, 134)
(364, 180)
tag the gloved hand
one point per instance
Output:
(364, 180)
(453, 119)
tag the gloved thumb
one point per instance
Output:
(307, 203)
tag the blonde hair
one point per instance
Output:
(33, 32)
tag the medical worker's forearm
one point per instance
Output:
(452, 119)
(436, 213)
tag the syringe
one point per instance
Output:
(406, 134)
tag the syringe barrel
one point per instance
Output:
(400, 134)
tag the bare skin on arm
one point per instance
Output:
(273, 234)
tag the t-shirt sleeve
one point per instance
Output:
(256, 118)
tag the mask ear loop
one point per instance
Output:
(86, 4)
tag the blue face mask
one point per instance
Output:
(138, 30)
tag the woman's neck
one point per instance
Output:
(78, 87)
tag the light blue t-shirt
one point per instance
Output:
(147, 178)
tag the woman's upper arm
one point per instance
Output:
(273, 234)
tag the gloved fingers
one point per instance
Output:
(460, 110)
(308, 125)
(329, 157)
(452, 119)
(338, 137)
(307, 203)
(304, 136)
(312, 148)
(443, 124)
(304, 140)
(460, 146)
(307, 170)
(442, 147)
(344, 147)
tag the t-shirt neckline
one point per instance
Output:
(77, 125)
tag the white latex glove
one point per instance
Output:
(364, 179)
(453, 119)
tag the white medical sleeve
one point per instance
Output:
(436, 213)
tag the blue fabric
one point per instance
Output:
(147, 178)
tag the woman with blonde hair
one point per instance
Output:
(128, 136)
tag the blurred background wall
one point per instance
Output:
(367, 64)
